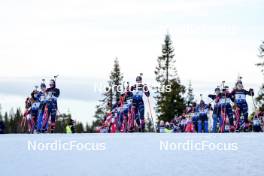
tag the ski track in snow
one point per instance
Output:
(131, 155)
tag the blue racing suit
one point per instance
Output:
(53, 94)
(41, 110)
(138, 91)
(35, 103)
(126, 106)
(203, 118)
(240, 100)
(225, 105)
(216, 112)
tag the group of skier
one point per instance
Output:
(127, 114)
(41, 108)
(229, 113)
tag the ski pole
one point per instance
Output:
(224, 109)
(58, 112)
(55, 77)
(252, 96)
(255, 106)
(151, 115)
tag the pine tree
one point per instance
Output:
(116, 78)
(79, 127)
(169, 95)
(166, 67)
(112, 94)
(1, 116)
(16, 120)
(261, 55)
(260, 98)
(6, 120)
(190, 96)
(87, 128)
(2, 124)
(100, 112)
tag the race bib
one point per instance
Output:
(227, 127)
(129, 102)
(256, 122)
(240, 96)
(42, 98)
(138, 93)
(125, 106)
(203, 111)
(225, 100)
(35, 105)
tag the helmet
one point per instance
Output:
(202, 102)
(225, 89)
(239, 84)
(43, 86)
(52, 83)
(217, 89)
(161, 123)
(138, 79)
(34, 94)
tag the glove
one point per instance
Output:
(251, 91)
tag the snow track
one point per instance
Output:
(131, 154)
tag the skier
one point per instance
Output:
(183, 122)
(161, 127)
(202, 118)
(217, 109)
(35, 104)
(256, 122)
(190, 111)
(53, 93)
(194, 115)
(42, 98)
(227, 122)
(239, 97)
(26, 120)
(189, 124)
(115, 116)
(126, 104)
(138, 90)
(106, 123)
(176, 124)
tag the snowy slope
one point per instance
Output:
(132, 154)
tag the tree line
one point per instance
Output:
(11, 123)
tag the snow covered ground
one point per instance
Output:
(132, 154)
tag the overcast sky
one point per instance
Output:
(214, 40)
